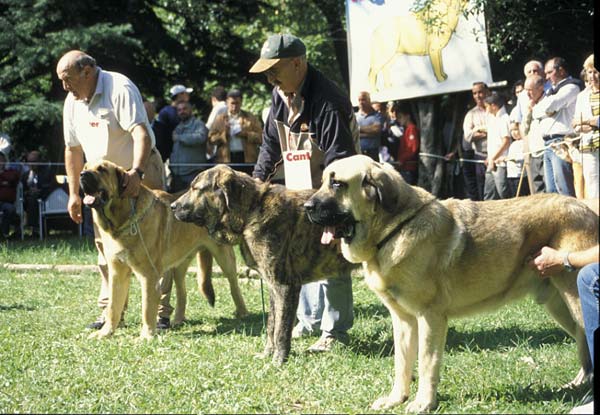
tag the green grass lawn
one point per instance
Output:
(511, 361)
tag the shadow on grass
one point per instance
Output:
(19, 307)
(503, 337)
(251, 325)
(371, 309)
(377, 343)
(532, 393)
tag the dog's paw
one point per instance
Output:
(178, 322)
(582, 378)
(241, 313)
(101, 334)
(417, 406)
(279, 359)
(387, 402)
(264, 354)
(146, 334)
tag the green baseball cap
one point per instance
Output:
(278, 47)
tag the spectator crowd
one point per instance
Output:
(542, 138)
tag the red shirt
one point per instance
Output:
(408, 149)
(8, 185)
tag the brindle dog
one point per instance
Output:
(271, 225)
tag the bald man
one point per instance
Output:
(104, 118)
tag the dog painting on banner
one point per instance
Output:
(425, 32)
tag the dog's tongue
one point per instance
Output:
(328, 235)
(88, 200)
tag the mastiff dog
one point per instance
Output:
(276, 237)
(142, 235)
(430, 260)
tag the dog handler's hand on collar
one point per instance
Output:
(131, 183)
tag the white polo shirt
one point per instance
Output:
(498, 127)
(103, 126)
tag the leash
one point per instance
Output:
(135, 230)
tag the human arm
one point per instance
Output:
(334, 134)
(142, 145)
(583, 119)
(194, 135)
(550, 261)
(371, 130)
(74, 166)
(251, 129)
(269, 154)
(471, 131)
(219, 130)
(551, 104)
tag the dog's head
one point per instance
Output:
(358, 196)
(217, 200)
(101, 182)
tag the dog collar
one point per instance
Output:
(398, 228)
(393, 233)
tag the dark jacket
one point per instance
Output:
(327, 114)
(163, 127)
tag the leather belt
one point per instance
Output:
(553, 136)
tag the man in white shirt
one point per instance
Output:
(104, 118)
(219, 106)
(498, 141)
(530, 131)
(555, 113)
(475, 139)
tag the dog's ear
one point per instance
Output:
(378, 184)
(120, 178)
(230, 187)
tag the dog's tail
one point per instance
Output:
(204, 275)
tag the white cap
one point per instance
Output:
(178, 89)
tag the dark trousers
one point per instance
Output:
(469, 170)
(536, 166)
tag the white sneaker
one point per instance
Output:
(588, 408)
(300, 331)
(323, 345)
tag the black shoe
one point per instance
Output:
(164, 323)
(96, 325)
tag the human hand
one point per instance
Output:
(74, 208)
(548, 261)
(131, 184)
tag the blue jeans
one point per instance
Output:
(558, 174)
(589, 293)
(327, 306)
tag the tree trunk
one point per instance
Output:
(431, 169)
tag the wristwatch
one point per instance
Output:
(140, 172)
(567, 264)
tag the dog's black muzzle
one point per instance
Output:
(326, 212)
(185, 211)
(94, 196)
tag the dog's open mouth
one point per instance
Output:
(338, 225)
(343, 230)
(95, 200)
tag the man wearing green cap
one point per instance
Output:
(306, 101)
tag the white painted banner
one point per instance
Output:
(395, 54)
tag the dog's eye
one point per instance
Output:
(336, 184)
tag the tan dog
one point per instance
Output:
(142, 235)
(431, 260)
(422, 33)
(276, 237)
